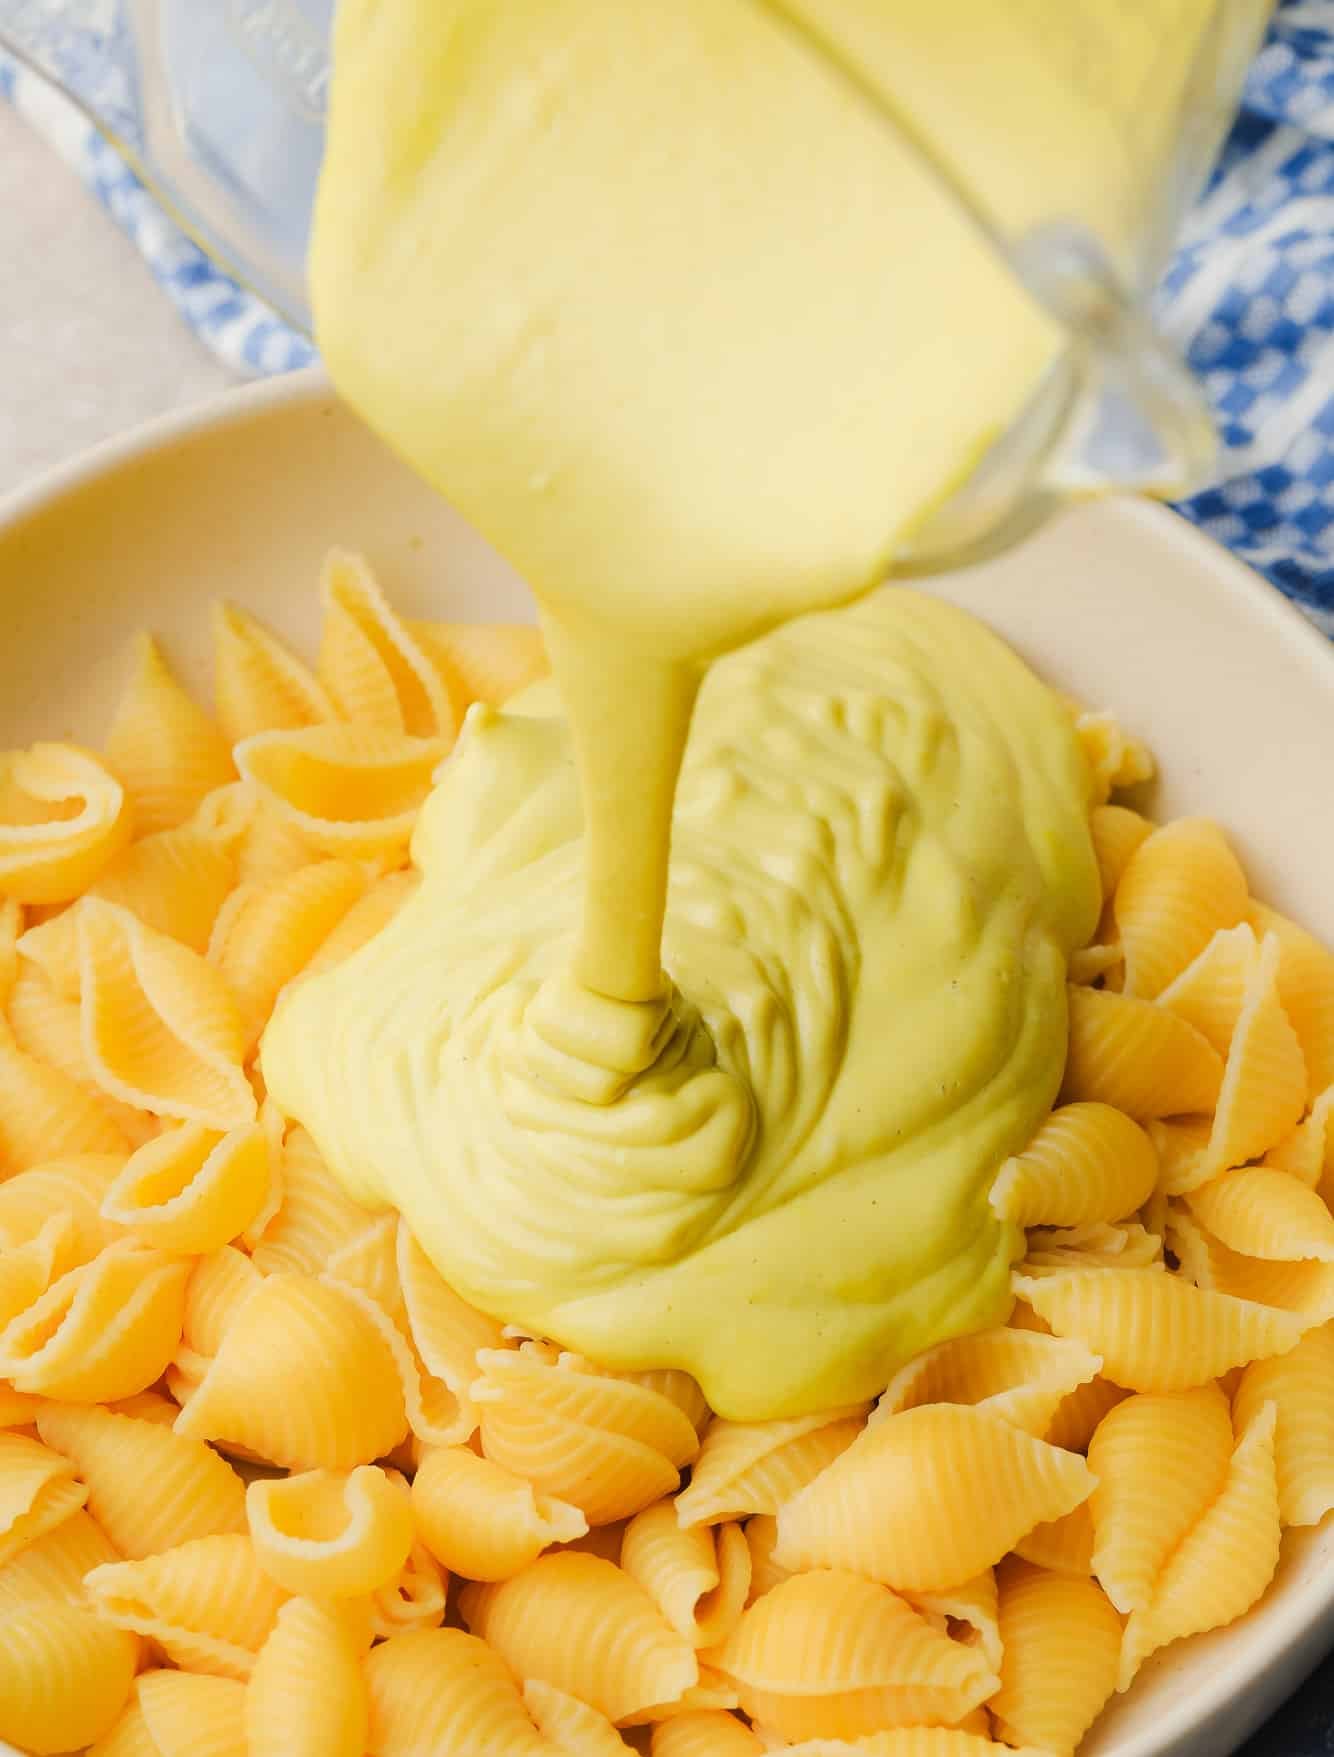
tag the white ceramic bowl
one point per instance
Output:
(1121, 603)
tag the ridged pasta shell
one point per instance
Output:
(55, 1564)
(1115, 758)
(219, 1284)
(49, 1029)
(613, 1650)
(1073, 1424)
(761, 1541)
(307, 1696)
(1264, 1088)
(174, 881)
(1137, 1057)
(207, 1602)
(1062, 1642)
(369, 1262)
(443, 1690)
(415, 1600)
(1306, 988)
(45, 1115)
(18, 1409)
(1160, 1461)
(259, 684)
(194, 1492)
(366, 918)
(830, 1655)
(37, 1492)
(713, 1690)
(64, 1677)
(69, 1188)
(1183, 1153)
(570, 1725)
(349, 790)
(1087, 1162)
(973, 1603)
(1020, 1377)
(1300, 1385)
(302, 1379)
(600, 1442)
(706, 1733)
(698, 1576)
(179, 1714)
(437, 1416)
(483, 1521)
(447, 1332)
(1224, 1562)
(1211, 991)
(192, 1188)
(331, 1534)
(63, 817)
(1062, 1546)
(1303, 1288)
(374, 668)
(485, 661)
(1157, 1332)
(316, 1217)
(755, 1467)
(11, 931)
(27, 1270)
(1180, 887)
(1265, 1213)
(162, 746)
(1116, 832)
(104, 1330)
(1099, 1245)
(1307, 1151)
(874, 1509)
(267, 843)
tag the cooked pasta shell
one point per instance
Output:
(1180, 887)
(18, 1409)
(1097, 963)
(1160, 1461)
(705, 1733)
(1223, 1563)
(437, 1416)
(570, 1725)
(104, 1330)
(302, 1379)
(1115, 758)
(581, 1624)
(307, 1696)
(1078, 1415)
(162, 746)
(714, 1691)
(1265, 1213)
(1157, 1332)
(219, 1283)
(316, 1218)
(371, 662)
(353, 791)
(331, 1534)
(415, 1600)
(1117, 832)
(1302, 1288)
(208, 1603)
(369, 1262)
(160, 1027)
(174, 881)
(1307, 1151)
(1300, 1385)
(1264, 1088)
(1211, 991)
(972, 1604)
(64, 1676)
(1063, 1546)
(1306, 988)
(70, 1189)
(755, 1467)
(698, 1576)
(1099, 1245)
(259, 684)
(49, 1029)
(1183, 1153)
(443, 1690)
(829, 1654)
(1087, 1162)
(11, 931)
(44, 1114)
(448, 1333)
(483, 1521)
(267, 934)
(1062, 1642)
(365, 919)
(601, 1442)
(267, 844)
(55, 1564)
(179, 1714)
(194, 1494)
(37, 1492)
(1137, 1057)
(29, 1269)
(1021, 1377)
(761, 1541)
(485, 661)
(878, 1510)
(192, 1188)
(63, 817)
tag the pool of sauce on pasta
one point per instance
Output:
(729, 985)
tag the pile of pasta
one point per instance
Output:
(270, 1488)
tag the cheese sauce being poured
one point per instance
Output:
(662, 305)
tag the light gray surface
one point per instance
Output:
(88, 344)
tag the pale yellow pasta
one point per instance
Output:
(446, 1331)
(1307, 1151)
(698, 1576)
(11, 931)
(1157, 1332)
(440, 1690)
(1063, 1546)
(586, 1627)
(1183, 1153)
(315, 1218)
(1062, 1648)
(600, 1442)
(368, 916)
(331, 1534)
(160, 1026)
(179, 1714)
(1211, 991)
(973, 1604)
(761, 1541)
(485, 661)
(64, 1676)
(436, 1415)
(1306, 988)
(18, 1409)
(1137, 1057)
(369, 1262)
(37, 1492)
(829, 1654)
(55, 1564)
(1160, 1460)
(875, 1509)
(208, 1603)
(266, 842)
(1099, 1245)
(70, 1189)
(1305, 1289)
(1020, 1377)
(1224, 1563)
(63, 817)
(259, 684)
(44, 1114)
(174, 881)
(1265, 1213)
(1087, 1162)
(1300, 1385)
(307, 1696)
(1115, 758)
(415, 1600)
(163, 746)
(371, 663)
(1096, 963)
(49, 1029)
(1075, 1420)
(29, 1269)
(713, 1691)
(705, 1733)
(192, 1188)
(104, 1330)
(268, 933)
(219, 1284)
(1264, 1088)
(1179, 887)
(483, 1521)
(1116, 832)
(300, 1378)
(570, 1725)
(148, 1487)
(754, 1467)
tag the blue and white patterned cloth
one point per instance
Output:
(1249, 298)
